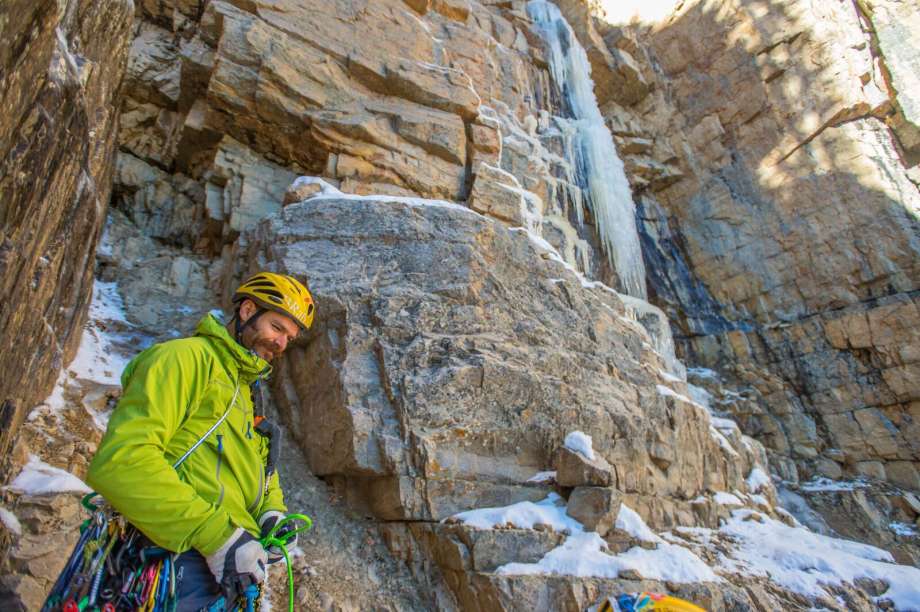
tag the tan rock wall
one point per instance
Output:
(61, 65)
(773, 162)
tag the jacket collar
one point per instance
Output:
(241, 361)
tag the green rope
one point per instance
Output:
(282, 542)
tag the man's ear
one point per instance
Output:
(247, 309)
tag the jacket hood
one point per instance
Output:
(233, 355)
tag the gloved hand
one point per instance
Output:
(238, 563)
(266, 522)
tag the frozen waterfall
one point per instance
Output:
(600, 170)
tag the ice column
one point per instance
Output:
(601, 172)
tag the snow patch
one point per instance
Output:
(324, 187)
(583, 555)
(805, 562)
(722, 441)
(903, 529)
(757, 480)
(97, 359)
(523, 515)
(628, 520)
(10, 521)
(39, 478)
(580, 443)
(668, 392)
(543, 477)
(826, 484)
(726, 499)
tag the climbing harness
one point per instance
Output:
(113, 568)
(645, 601)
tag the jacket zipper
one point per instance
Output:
(220, 456)
(258, 499)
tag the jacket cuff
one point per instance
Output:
(214, 533)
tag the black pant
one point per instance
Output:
(197, 587)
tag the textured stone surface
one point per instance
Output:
(575, 470)
(895, 26)
(61, 65)
(781, 227)
(447, 367)
(594, 507)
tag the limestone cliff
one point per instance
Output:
(60, 69)
(775, 159)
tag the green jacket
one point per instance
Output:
(173, 393)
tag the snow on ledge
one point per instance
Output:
(726, 499)
(523, 515)
(581, 443)
(39, 478)
(548, 476)
(757, 480)
(331, 193)
(583, 555)
(10, 521)
(628, 520)
(805, 562)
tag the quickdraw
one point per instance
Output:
(111, 570)
(114, 569)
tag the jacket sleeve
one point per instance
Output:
(130, 468)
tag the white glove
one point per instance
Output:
(239, 562)
(266, 522)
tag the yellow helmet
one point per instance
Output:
(281, 293)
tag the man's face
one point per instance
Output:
(270, 334)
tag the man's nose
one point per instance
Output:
(281, 342)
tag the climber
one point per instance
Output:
(190, 399)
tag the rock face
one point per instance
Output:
(453, 358)
(61, 66)
(450, 362)
(779, 208)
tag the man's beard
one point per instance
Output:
(266, 349)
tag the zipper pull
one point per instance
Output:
(249, 430)
(220, 443)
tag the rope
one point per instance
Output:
(281, 542)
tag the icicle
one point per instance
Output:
(593, 153)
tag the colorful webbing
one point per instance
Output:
(108, 571)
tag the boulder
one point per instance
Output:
(594, 507)
(573, 469)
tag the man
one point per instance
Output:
(191, 398)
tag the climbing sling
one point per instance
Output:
(115, 568)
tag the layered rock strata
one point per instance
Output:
(453, 356)
(772, 157)
(61, 65)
